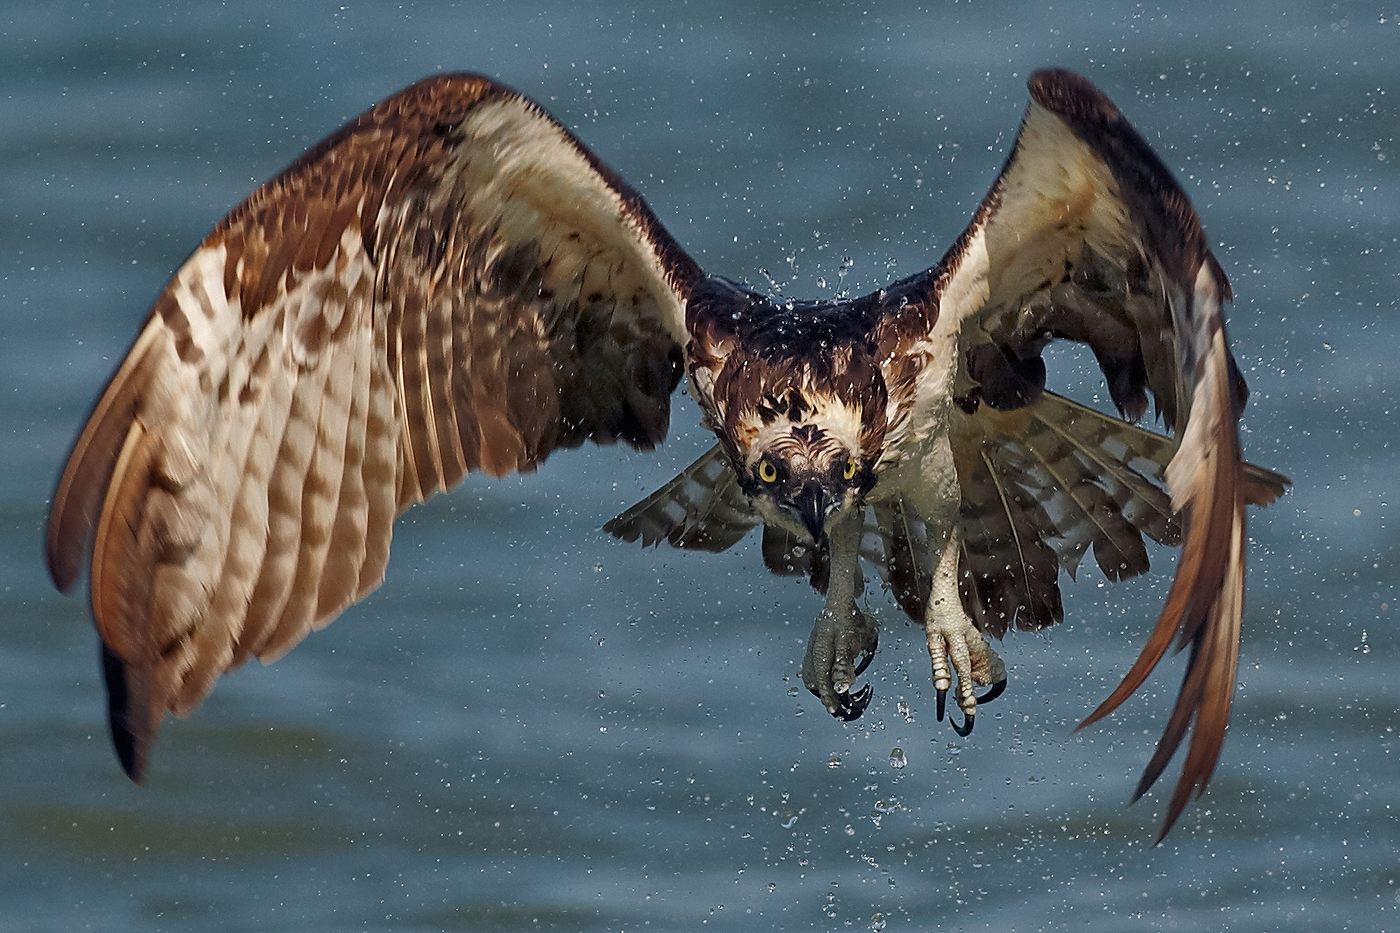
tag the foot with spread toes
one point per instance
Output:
(956, 645)
(953, 641)
(840, 648)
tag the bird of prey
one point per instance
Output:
(454, 282)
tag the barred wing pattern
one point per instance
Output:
(1085, 235)
(1046, 484)
(452, 282)
(702, 509)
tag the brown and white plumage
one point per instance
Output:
(450, 283)
(453, 282)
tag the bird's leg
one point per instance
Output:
(843, 639)
(954, 640)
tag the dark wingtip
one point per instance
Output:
(1067, 92)
(131, 746)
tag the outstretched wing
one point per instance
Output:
(1086, 236)
(451, 282)
(701, 509)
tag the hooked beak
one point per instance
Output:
(812, 505)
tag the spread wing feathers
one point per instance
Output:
(1043, 485)
(1086, 236)
(451, 282)
(703, 508)
(1040, 487)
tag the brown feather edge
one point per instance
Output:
(81, 497)
(1200, 610)
(108, 440)
(1206, 598)
(451, 98)
(135, 705)
(81, 488)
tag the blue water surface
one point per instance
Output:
(533, 726)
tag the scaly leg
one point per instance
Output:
(843, 639)
(953, 639)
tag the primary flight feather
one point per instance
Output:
(454, 282)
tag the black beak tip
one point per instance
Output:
(812, 506)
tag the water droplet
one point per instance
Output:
(850, 830)
(834, 761)
(789, 820)
(877, 922)
(793, 691)
(897, 759)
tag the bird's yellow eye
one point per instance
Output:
(767, 472)
(850, 470)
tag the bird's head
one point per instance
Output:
(797, 397)
(805, 461)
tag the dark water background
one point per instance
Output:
(532, 726)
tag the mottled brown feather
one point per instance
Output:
(1083, 236)
(1086, 236)
(451, 282)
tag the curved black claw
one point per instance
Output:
(997, 690)
(866, 657)
(851, 705)
(966, 728)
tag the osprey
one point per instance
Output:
(454, 282)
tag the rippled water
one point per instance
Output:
(532, 726)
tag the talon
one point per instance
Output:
(866, 656)
(841, 647)
(958, 651)
(997, 690)
(851, 705)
